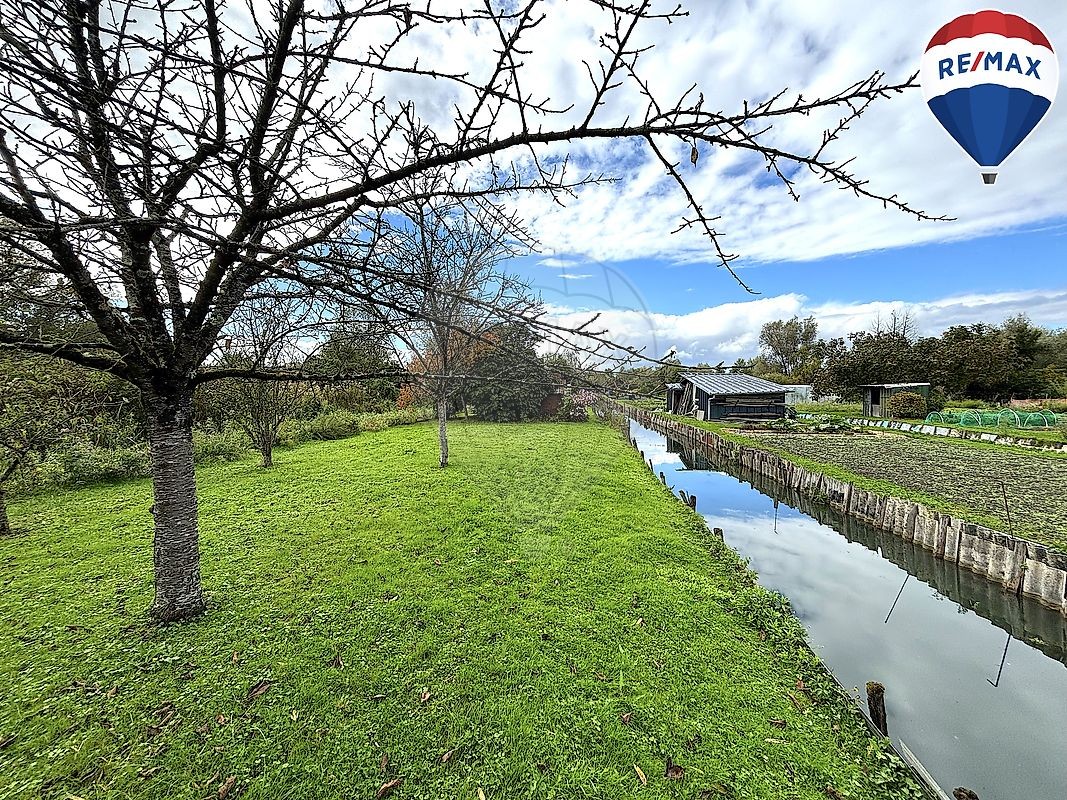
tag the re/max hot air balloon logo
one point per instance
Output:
(989, 78)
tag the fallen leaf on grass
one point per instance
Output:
(625, 718)
(674, 772)
(226, 786)
(236, 658)
(481, 794)
(385, 763)
(337, 662)
(425, 696)
(447, 756)
(221, 719)
(640, 622)
(6, 741)
(258, 689)
(377, 698)
(640, 775)
(776, 741)
(294, 715)
(388, 788)
(778, 723)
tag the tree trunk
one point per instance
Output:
(176, 549)
(442, 428)
(5, 525)
(266, 450)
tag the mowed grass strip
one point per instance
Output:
(380, 625)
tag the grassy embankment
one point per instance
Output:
(957, 476)
(539, 620)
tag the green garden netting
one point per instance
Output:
(1003, 418)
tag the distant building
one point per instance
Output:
(725, 396)
(797, 393)
(876, 395)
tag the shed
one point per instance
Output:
(797, 393)
(876, 395)
(726, 396)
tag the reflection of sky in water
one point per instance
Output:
(935, 658)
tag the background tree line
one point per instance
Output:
(1015, 359)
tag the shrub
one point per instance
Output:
(294, 431)
(81, 463)
(229, 445)
(575, 406)
(334, 425)
(405, 398)
(937, 400)
(373, 422)
(907, 405)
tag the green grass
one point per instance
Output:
(833, 409)
(506, 611)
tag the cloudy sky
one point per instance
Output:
(843, 259)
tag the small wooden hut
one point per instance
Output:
(726, 396)
(876, 396)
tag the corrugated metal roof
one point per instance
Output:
(729, 384)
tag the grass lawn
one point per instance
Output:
(476, 630)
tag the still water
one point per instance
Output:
(976, 682)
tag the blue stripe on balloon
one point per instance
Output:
(988, 120)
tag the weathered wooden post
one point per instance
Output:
(718, 532)
(663, 478)
(876, 706)
(693, 502)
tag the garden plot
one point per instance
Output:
(970, 479)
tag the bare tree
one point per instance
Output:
(900, 323)
(454, 291)
(167, 158)
(39, 405)
(277, 330)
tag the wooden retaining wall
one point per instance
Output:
(1018, 564)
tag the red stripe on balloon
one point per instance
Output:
(978, 60)
(1009, 25)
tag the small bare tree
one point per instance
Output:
(453, 292)
(277, 330)
(166, 159)
(39, 405)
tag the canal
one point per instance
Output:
(976, 682)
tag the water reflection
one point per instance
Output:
(975, 678)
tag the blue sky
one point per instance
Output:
(843, 259)
(1031, 258)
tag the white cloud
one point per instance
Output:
(575, 276)
(730, 331)
(752, 49)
